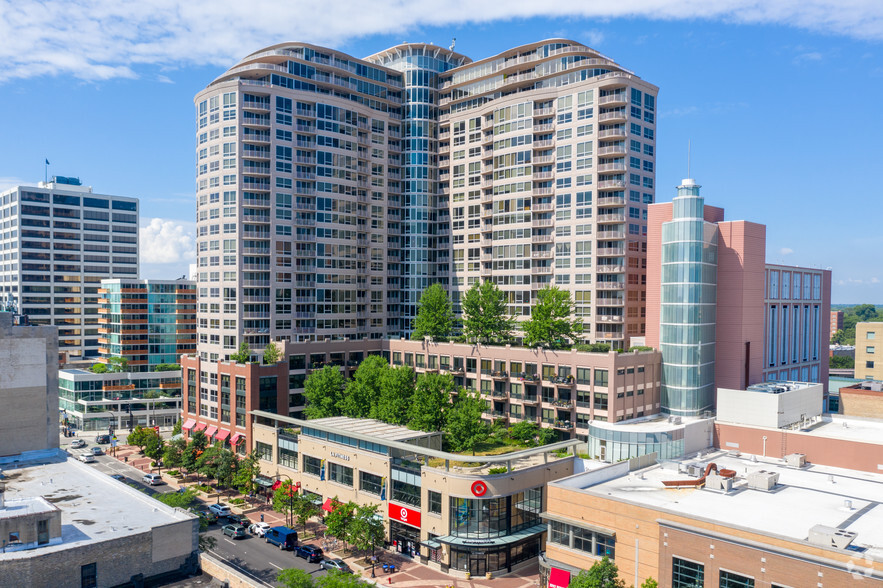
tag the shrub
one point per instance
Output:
(636, 348)
(173, 473)
(498, 470)
(593, 347)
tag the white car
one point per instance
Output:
(221, 510)
(77, 443)
(258, 529)
(152, 479)
(86, 458)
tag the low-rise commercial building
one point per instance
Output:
(863, 399)
(720, 520)
(453, 512)
(123, 400)
(867, 361)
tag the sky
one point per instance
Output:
(770, 95)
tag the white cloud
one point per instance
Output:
(167, 241)
(786, 251)
(102, 39)
(11, 182)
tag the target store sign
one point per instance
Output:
(404, 514)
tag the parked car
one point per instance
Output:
(152, 479)
(259, 529)
(235, 531)
(205, 514)
(284, 537)
(97, 451)
(119, 477)
(311, 553)
(222, 510)
(238, 519)
(77, 443)
(336, 564)
(103, 439)
(86, 457)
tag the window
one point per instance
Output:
(312, 465)
(869, 365)
(89, 575)
(871, 335)
(869, 349)
(687, 574)
(601, 377)
(406, 493)
(435, 504)
(734, 580)
(370, 483)
(340, 474)
(264, 451)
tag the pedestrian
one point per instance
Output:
(262, 517)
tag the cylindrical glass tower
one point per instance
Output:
(688, 303)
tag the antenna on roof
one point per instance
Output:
(453, 43)
(688, 159)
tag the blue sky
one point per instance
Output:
(773, 97)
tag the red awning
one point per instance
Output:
(200, 427)
(276, 485)
(235, 438)
(329, 505)
(211, 431)
(222, 434)
(188, 424)
(559, 578)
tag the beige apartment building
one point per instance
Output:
(868, 363)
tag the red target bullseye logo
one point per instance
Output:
(479, 488)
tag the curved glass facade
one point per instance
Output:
(688, 305)
(615, 445)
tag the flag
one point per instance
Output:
(383, 489)
(47, 162)
(322, 471)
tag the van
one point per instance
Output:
(152, 479)
(284, 537)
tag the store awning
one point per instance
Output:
(234, 440)
(276, 485)
(222, 434)
(431, 544)
(211, 431)
(559, 578)
(200, 427)
(263, 481)
(188, 424)
(329, 504)
(495, 542)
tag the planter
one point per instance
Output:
(488, 576)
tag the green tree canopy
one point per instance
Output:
(295, 578)
(550, 323)
(430, 402)
(484, 313)
(335, 579)
(166, 367)
(176, 429)
(524, 431)
(602, 574)
(154, 446)
(364, 390)
(189, 456)
(303, 510)
(141, 436)
(435, 316)
(178, 499)
(173, 453)
(396, 390)
(99, 368)
(323, 390)
(649, 583)
(366, 529)
(284, 499)
(340, 519)
(117, 364)
(464, 426)
(272, 353)
(249, 468)
(243, 355)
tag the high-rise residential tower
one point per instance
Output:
(58, 240)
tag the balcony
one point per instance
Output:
(612, 167)
(613, 116)
(541, 238)
(541, 270)
(612, 150)
(618, 98)
(611, 201)
(608, 318)
(611, 184)
(617, 133)
(609, 286)
(499, 375)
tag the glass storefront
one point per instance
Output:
(480, 518)
(405, 539)
(480, 560)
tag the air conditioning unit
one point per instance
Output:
(831, 537)
(714, 481)
(763, 480)
(796, 460)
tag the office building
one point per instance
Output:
(867, 363)
(146, 322)
(836, 321)
(58, 241)
(722, 316)
(28, 384)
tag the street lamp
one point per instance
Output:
(290, 499)
(373, 558)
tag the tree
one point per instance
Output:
(865, 312)
(99, 368)
(842, 362)
(140, 436)
(226, 465)
(430, 402)
(649, 583)
(484, 313)
(549, 323)
(335, 579)
(243, 355)
(272, 354)
(303, 510)
(177, 499)
(117, 364)
(249, 468)
(363, 391)
(191, 453)
(207, 462)
(546, 436)
(524, 431)
(294, 578)
(173, 453)
(434, 314)
(166, 367)
(603, 574)
(339, 520)
(366, 529)
(323, 391)
(176, 429)
(283, 500)
(396, 390)
(464, 426)
(155, 447)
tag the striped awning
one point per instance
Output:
(222, 434)
(210, 432)
(188, 424)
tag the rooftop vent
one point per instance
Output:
(831, 537)
(763, 480)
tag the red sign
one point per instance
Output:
(559, 578)
(479, 488)
(404, 515)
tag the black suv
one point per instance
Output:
(102, 439)
(311, 553)
(238, 519)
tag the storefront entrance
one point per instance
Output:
(477, 564)
(405, 539)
